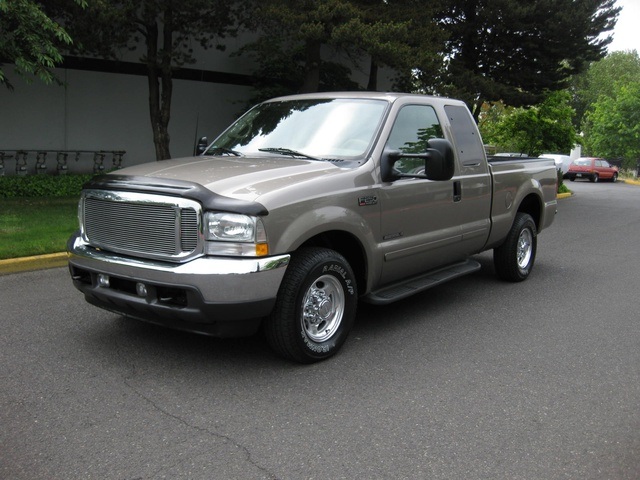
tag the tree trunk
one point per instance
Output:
(312, 66)
(372, 86)
(477, 109)
(160, 82)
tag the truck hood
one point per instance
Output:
(246, 178)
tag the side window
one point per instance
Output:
(470, 149)
(413, 127)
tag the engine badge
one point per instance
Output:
(368, 200)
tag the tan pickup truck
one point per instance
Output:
(301, 208)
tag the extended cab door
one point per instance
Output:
(474, 178)
(426, 224)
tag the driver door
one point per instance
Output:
(420, 224)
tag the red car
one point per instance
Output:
(592, 168)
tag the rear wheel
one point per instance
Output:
(315, 308)
(513, 260)
(594, 178)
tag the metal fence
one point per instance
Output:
(42, 161)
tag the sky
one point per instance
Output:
(626, 35)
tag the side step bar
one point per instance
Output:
(406, 288)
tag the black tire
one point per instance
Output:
(315, 308)
(514, 259)
(573, 178)
(614, 179)
(594, 178)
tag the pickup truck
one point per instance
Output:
(303, 207)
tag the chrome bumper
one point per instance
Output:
(203, 295)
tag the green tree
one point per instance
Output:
(30, 40)
(604, 78)
(546, 127)
(612, 127)
(409, 41)
(297, 36)
(516, 51)
(162, 30)
(489, 122)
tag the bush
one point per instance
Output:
(561, 185)
(42, 185)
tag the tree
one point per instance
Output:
(603, 78)
(409, 41)
(163, 29)
(296, 36)
(546, 127)
(30, 40)
(516, 51)
(613, 125)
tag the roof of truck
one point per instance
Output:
(388, 96)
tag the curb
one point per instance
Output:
(39, 262)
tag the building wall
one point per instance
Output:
(109, 110)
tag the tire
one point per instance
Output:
(514, 259)
(614, 179)
(573, 178)
(315, 308)
(594, 178)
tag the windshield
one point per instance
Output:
(314, 128)
(583, 162)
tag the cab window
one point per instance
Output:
(412, 129)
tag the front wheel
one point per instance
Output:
(315, 308)
(614, 179)
(513, 260)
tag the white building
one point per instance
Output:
(103, 106)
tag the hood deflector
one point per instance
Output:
(176, 188)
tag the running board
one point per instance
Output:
(406, 288)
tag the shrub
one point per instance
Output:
(42, 185)
(561, 185)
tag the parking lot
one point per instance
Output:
(475, 379)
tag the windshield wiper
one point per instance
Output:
(223, 151)
(288, 151)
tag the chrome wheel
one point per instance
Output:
(322, 308)
(315, 308)
(514, 259)
(525, 248)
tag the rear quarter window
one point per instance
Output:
(467, 140)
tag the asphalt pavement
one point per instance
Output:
(475, 379)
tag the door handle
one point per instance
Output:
(457, 191)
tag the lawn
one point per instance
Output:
(35, 226)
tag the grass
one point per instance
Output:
(35, 226)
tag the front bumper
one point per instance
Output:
(211, 295)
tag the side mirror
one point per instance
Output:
(201, 146)
(439, 163)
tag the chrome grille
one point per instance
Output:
(188, 229)
(143, 225)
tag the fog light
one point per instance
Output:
(103, 280)
(141, 289)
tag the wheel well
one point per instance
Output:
(349, 247)
(531, 205)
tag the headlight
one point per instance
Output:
(234, 234)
